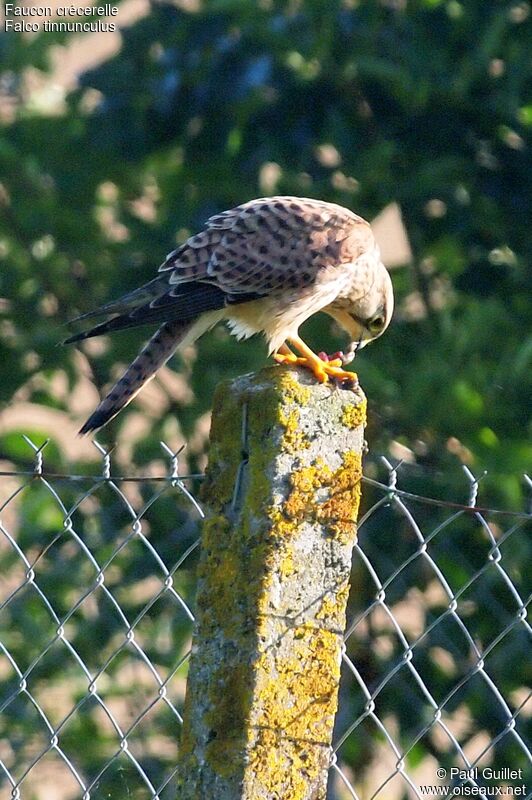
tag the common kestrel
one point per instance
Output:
(264, 267)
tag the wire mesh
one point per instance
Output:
(96, 612)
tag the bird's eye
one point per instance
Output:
(376, 324)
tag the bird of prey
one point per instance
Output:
(264, 267)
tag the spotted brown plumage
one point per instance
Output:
(156, 353)
(264, 267)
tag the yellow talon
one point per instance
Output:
(301, 361)
(285, 358)
(343, 375)
(322, 370)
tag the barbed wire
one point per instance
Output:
(419, 498)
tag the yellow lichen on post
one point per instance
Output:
(354, 414)
(281, 495)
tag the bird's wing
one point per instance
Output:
(260, 248)
(144, 294)
(270, 245)
(183, 303)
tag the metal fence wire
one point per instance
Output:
(96, 613)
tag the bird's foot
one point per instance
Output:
(290, 358)
(343, 378)
(321, 369)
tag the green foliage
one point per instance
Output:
(427, 105)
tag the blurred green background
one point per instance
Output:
(425, 104)
(115, 149)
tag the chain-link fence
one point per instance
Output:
(96, 612)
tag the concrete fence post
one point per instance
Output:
(281, 496)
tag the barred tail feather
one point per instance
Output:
(158, 350)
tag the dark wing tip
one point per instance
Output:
(77, 337)
(115, 323)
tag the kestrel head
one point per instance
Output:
(365, 315)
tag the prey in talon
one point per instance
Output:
(346, 380)
(262, 267)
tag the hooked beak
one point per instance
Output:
(353, 349)
(354, 327)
